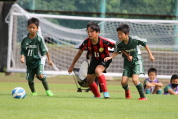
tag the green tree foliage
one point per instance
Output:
(119, 7)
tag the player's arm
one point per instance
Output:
(75, 60)
(159, 84)
(112, 56)
(49, 59)
(171, 92)
(148, 84)
(127, 55)
(22, 59)
(149, 52)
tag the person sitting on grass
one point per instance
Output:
(34, 52)
(151, 84)
(172, 88)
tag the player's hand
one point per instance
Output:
(107, 58)
(130, 58)
(50, 63)
(70, 70)
(22, 60)
(152, 58)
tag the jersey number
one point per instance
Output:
(96, 54)
(29, 52)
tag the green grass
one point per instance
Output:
(69, 104)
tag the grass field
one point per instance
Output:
(69, 104)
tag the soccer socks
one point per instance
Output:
(148, 91)
(45, 83)
(126, 87)
(140, 90)
(31, 85)
(159, 91)
(94, 89)
(102, 82)
(127, 91)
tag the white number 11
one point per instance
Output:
(29, 52)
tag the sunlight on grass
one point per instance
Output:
(67, 103)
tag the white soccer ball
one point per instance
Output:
(18, 93)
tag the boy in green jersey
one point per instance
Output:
(34, 52)
(131, 59)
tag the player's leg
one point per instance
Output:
(91, 77)
(96, 80)
(102, 80)
(92, 84)
(102, 66)
(125, 77)
(30, 77)
(139, 86)
(124, 83)
(135, 80)
(42, 78)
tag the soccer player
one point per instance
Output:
(151, 84)
(131, 62)
(98, 48)
(34, 52)
(173, 87)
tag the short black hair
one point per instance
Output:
(124, 28)
(33, 21)
(93, 26)
(175, 76)
(152, 70)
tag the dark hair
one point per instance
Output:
(33, 21)
(175, 76)
(124, 28)
(93, 26)
(152, 70)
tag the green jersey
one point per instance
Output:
(132, 47)
(34, 50)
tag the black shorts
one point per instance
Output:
(94, 63)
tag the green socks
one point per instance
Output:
(148, 91)
(31, 85)
(45, 83)
(159, 91)
(140, 90)
(126, 87)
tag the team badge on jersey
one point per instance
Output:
(101, 49)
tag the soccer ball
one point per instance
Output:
(18, 93)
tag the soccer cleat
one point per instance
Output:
(106, 95)
(34, 93)
(49, 93)
(127, 94)
(142, 99)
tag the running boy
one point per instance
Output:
(131, 62)
(98, 48)
(151, 84)
(34, 52)
(173, 87)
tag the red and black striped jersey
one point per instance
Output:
(99, 50)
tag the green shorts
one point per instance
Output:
(30, 74)
(134, 67)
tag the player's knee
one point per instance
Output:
(123, 83)
(41, 77)
(98, 71)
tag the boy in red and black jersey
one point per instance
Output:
(98, 48)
